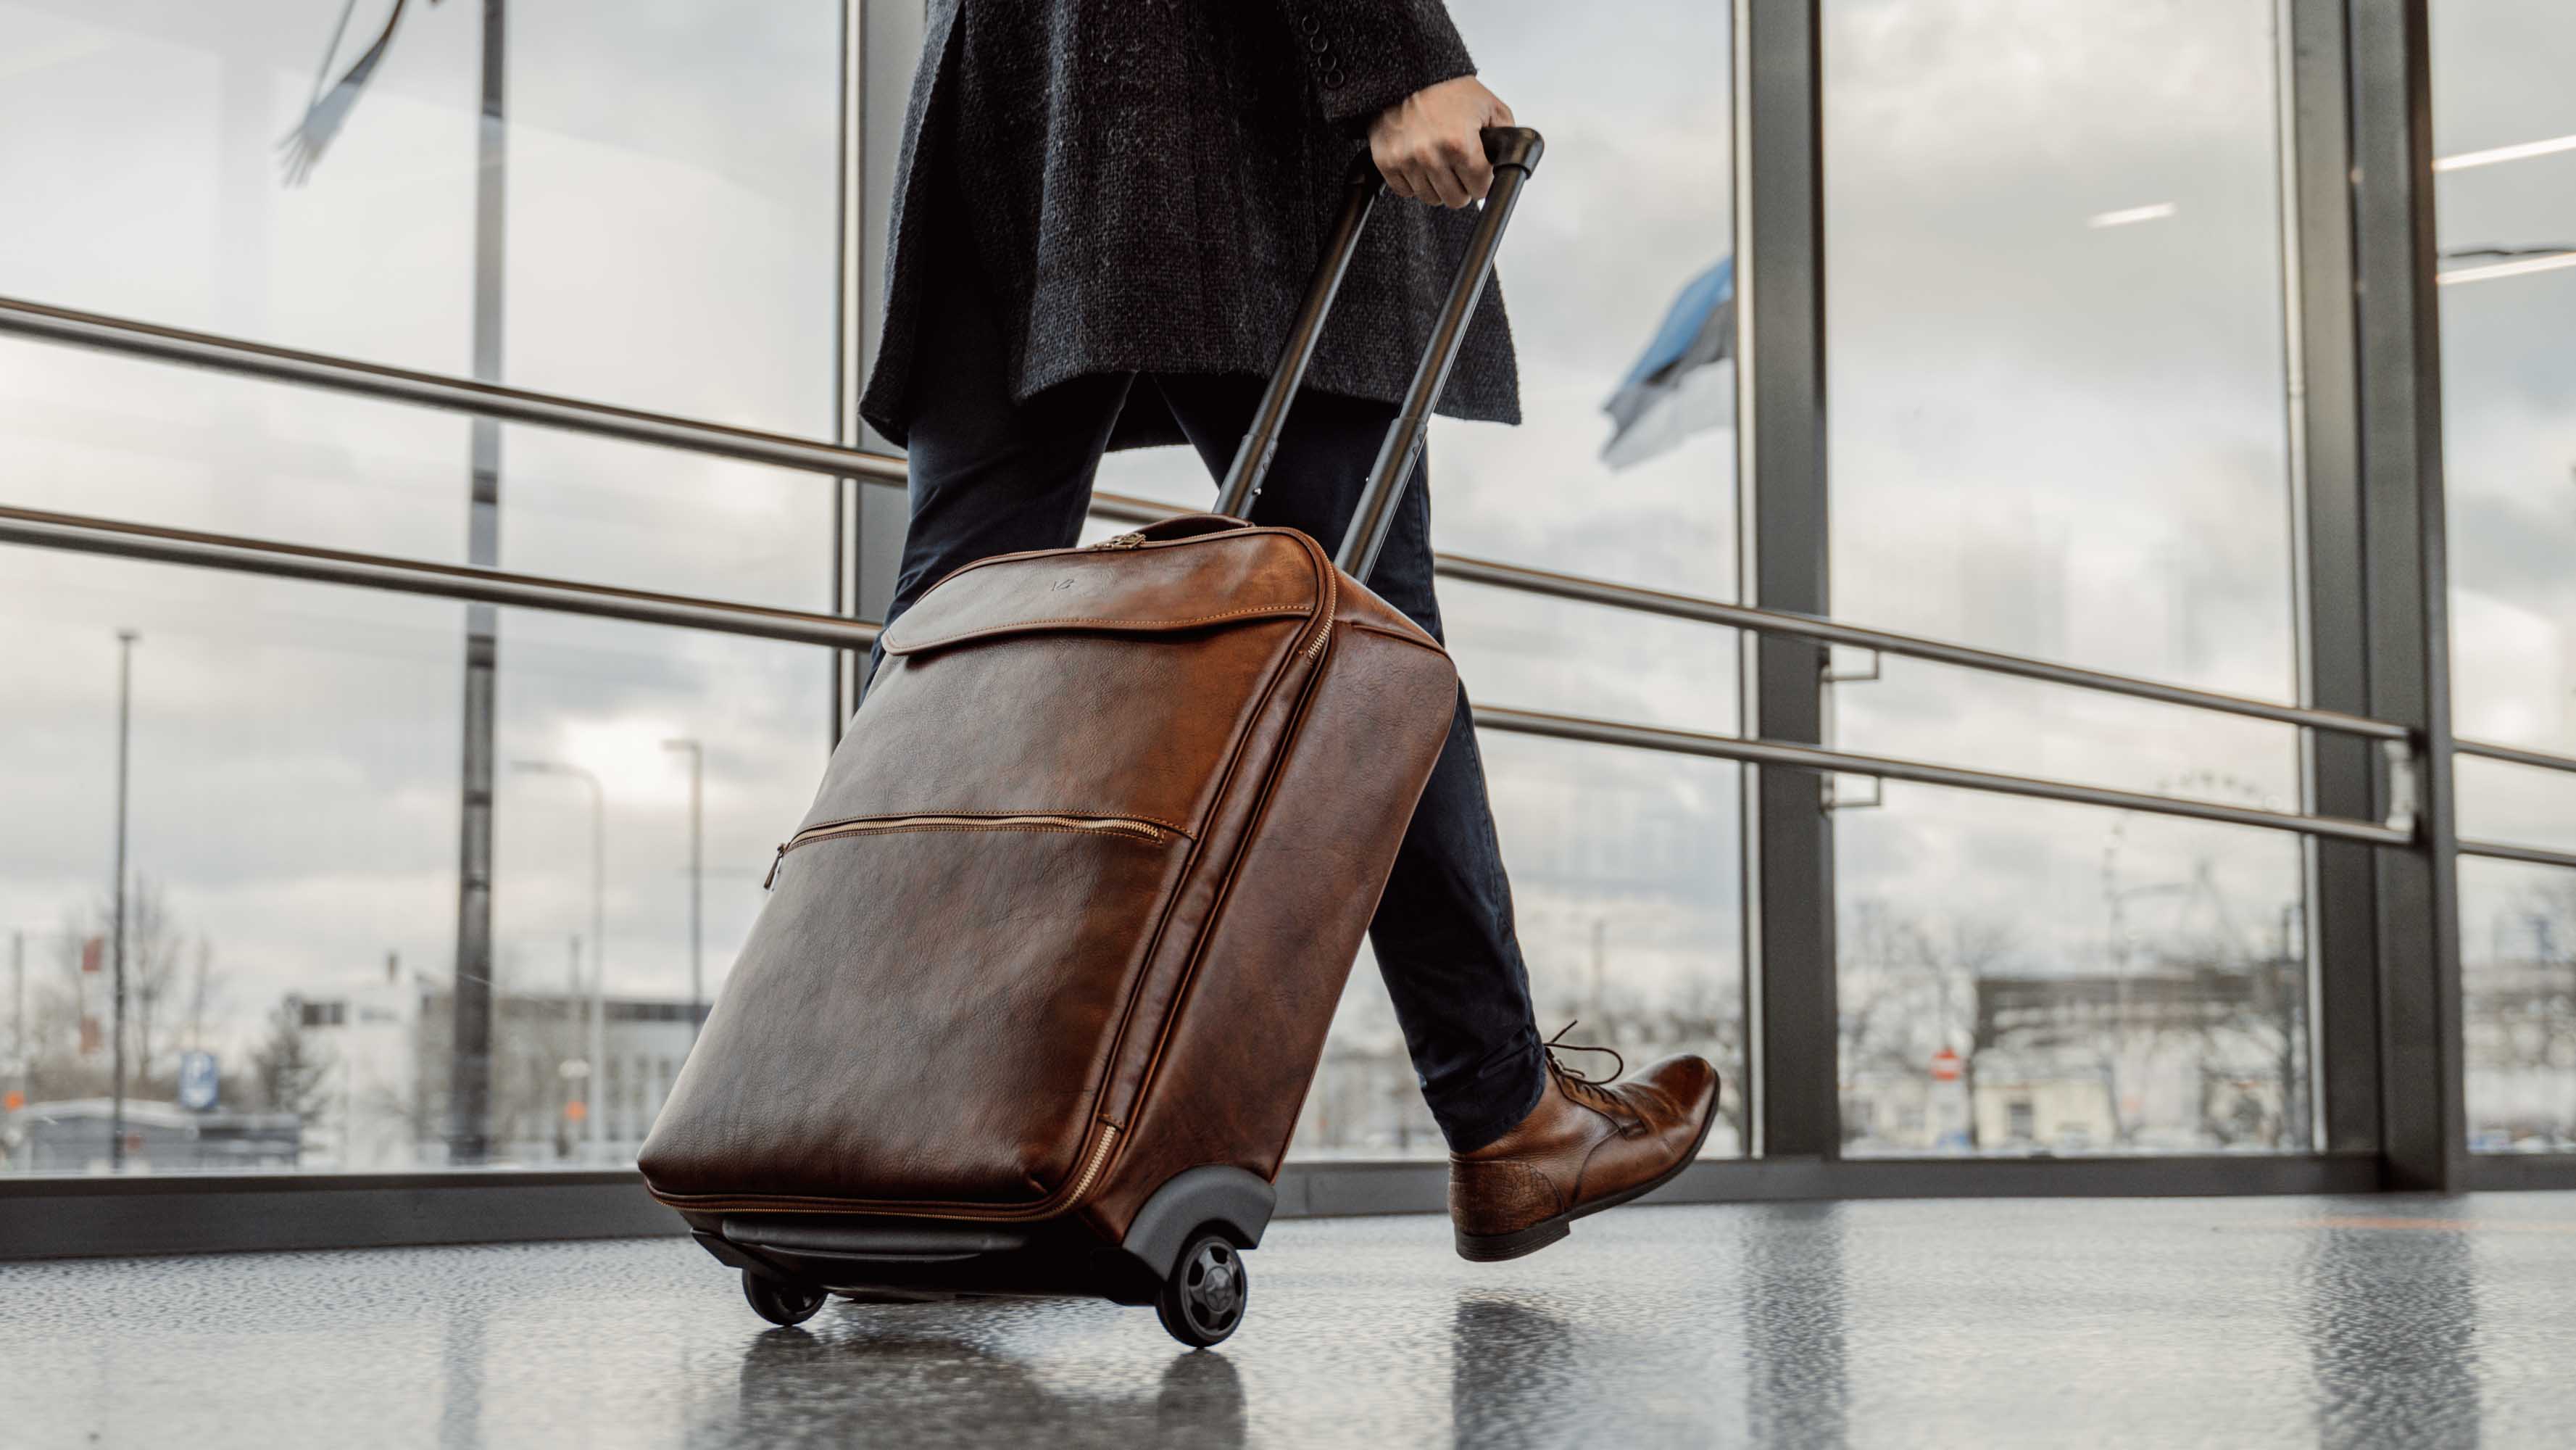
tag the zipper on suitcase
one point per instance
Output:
(1091, 1169)
(829, 830)
(1332, 602)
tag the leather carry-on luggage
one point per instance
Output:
(1046, 971)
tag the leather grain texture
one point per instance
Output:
(879, 1040)
(989, 1020)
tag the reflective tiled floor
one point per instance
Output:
(2341, 1322)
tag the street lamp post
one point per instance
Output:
(598, 936)
(125, 639)
(697, 878)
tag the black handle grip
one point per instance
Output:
(1514, 152)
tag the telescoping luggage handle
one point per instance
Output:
(1514, 152)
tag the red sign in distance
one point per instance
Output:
(1945, 1066)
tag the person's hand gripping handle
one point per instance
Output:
(1430, 145)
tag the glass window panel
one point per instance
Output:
(2054, 256)
(294, 833)
(2504, 138)
(670, 207)
(2521, 804)
(2518, 1005)
(145, 134)
(2504, 130)
(2022, 978)
(673, 206)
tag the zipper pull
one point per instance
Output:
(1119, 541)
(774, 863)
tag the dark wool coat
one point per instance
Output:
(1145, 185)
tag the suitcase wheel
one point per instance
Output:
(1203, 1298)
(781, 1303)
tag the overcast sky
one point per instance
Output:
(2047, 435)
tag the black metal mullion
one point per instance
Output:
(2423, 1128)
(890, 40)
(2342, 770)
(1781, 424)
(849, 182)
(470, 1127)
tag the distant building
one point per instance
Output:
(2190, 1059)
(77, 1136)
(386, 1093)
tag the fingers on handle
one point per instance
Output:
(1389, 170)
(1477, 176)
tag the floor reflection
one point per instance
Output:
(1796, 1308)
(2391, 1324)
(460, 1400)
(932, 1389)
(1514, 1376)
(2113, 1323)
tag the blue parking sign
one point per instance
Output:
(199, 1081)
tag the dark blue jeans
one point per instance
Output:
(991, 476)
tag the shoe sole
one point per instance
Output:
(1495, 1248)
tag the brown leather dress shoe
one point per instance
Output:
(1588, 1145)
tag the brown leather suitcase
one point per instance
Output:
(1046, 970)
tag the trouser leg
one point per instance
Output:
(1443, 932)
(989, 475)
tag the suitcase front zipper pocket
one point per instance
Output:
(872, 825)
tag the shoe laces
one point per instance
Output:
(1593, 1091)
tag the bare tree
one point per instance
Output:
(167, 1001)
(2521, 1009)
(156, 989)
(1909, 988)
(290, 1069)
(59, 1067)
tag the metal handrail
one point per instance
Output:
(1126, 508)
(83, 534)
(1770, 621)
(2513, 755)
(436, 390)
(1808, 757)
(2505, 851)
(321, 370)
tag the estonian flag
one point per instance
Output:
(1677, 388)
